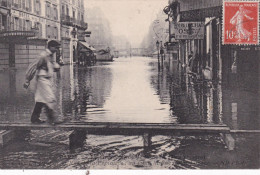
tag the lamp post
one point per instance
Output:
(157, 46)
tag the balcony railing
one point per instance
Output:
(20, 32)
(81, 24)
(84, 25)
(16, 33)
(66, 19)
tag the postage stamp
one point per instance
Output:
(240, 22)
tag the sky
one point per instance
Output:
(131, 18)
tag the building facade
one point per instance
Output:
(26, 26)
(101, 35)
(233, 70)
(72, 28)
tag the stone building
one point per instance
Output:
(72, 27)
(101, 35)
(26, 26)
(234, 68)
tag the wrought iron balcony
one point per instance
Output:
(20, 33)
(66, 20)
(17, 33)
(84, 25)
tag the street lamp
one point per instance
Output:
(157, 45)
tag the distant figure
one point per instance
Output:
(190, 60)
(44, 93)
(239, 19)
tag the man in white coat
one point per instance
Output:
(44, 93)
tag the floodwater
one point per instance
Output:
(131, 90)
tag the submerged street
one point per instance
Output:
(134, 90)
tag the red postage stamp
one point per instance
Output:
(240, 22)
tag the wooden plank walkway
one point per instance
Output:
(113, 128)
(147, 130)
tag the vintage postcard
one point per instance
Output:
(129, 85)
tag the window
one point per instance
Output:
(26, 5)
(39, 26)
(20, 25)
(78, 16)
(17, 3)
(67, 10)
(48, 9)
(4, 3)
(55, 13)
(67, 34)
(62, 10)
(73, 14)
(37, 7)
(28, 25)
(3, 22)
(55, 33)
(16, 23)
(48, 31)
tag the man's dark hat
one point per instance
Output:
(53, 43)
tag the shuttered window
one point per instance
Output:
(39, 26)
(55, 33)
(16, 23)
(48, 9)
(37, 7)
(48, 31)
(20, 26)
(55, 12)
(28, 25)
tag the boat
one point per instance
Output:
(104, 55)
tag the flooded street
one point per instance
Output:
(131, 90)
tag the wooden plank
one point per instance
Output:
(245, 131)
(251, 133)
(121, 128)
(131, 124)
(6, 137)
(142, 124)
(114, 125)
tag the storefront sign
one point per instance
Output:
(200, 14)
(27, 16)
(189, 30)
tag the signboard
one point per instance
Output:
(189, 30)
(172, 46)
(27, 16)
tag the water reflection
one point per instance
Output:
(134, 90)
(131, 90)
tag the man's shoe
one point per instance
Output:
(37, 121)
(54, 121)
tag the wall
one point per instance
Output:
(4, 50)
(25, 54)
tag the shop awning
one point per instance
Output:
(85, 47)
